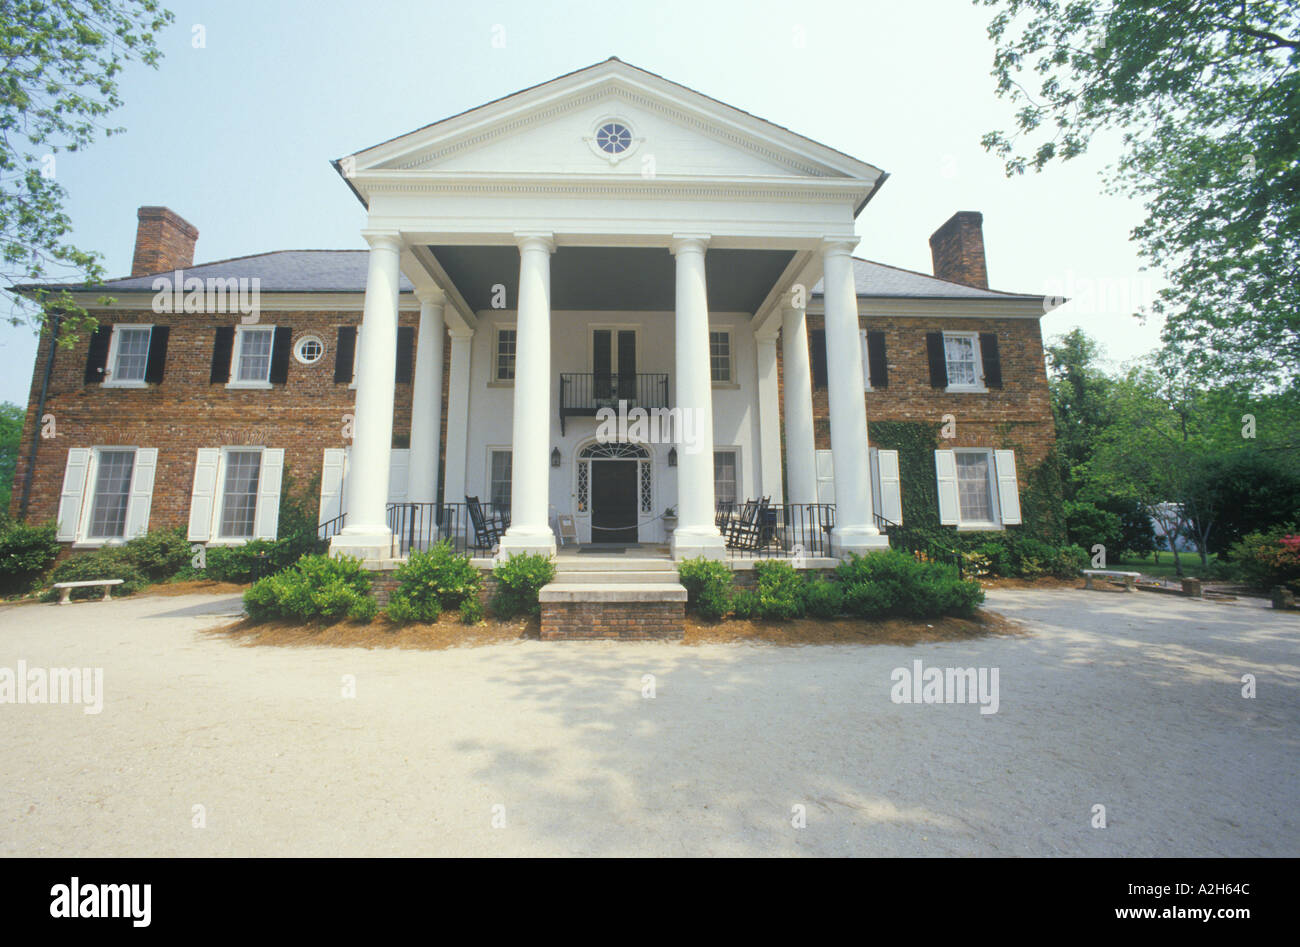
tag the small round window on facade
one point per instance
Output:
(613, 138)
(308, 350)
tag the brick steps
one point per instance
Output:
(613, 598)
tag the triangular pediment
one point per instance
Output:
(554, 128)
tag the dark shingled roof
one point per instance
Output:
(344, 271)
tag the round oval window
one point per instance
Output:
(309, 349)
(613, 138)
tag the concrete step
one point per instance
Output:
(614, 564)
(617, 578)
(612, 592)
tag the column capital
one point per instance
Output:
(431, 296)
(456, 332)
(767, 336)
(535, 240)
(383, 239)
(839, 246)
(689, 243)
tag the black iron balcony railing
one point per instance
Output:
(582, 394)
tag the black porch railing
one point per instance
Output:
(582, 394)
(418, 526)
(780, 531)
(919, 545)
(329, 528)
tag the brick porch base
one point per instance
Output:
(620, 621)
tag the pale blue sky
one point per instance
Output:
(237, 136)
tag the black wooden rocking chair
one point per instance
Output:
(488, 528)
(755, 528)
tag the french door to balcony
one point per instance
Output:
(613, 364)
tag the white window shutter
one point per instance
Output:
(141, 497)
(399, 469)
(204, 494)
(74, 489)
(866, 362)
(825, 477)
(945, 468)
(331, 483)
(891, 498)
(267, 517)
(1008, 487)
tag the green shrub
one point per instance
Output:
(471, 611)
(893, 583)
(708, 586)
(432, 582)
(109, 562)
(159, 554)
(259, 557)
(1033, 557)
(25, 553)
(746, 604)
(1088, 525)
(1266, 558)
(823, 598)
(779, 590)
(519, 579)
(997, 552)
(316, 587)
(1069, 562)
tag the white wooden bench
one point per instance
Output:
(1128, 578)
(67, 588)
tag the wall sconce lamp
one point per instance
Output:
(555, 457)
(672, 457)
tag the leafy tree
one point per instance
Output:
(11, 432)
(1252, 491)
(1081, 403)
(59, 63)
(1206, 94)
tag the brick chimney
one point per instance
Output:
(163, 241)
(957, 249)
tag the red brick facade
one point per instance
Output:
(185, 412)
(164, 241)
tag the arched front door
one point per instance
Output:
(612, 475)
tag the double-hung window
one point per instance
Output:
(962, 354)
(243, 471)
(503, 360)
(720, 356)
(975, 487)
(112, 492)
(129, 356)
(499, 479)
(725, 476)
(252, 357)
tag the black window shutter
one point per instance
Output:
(280, 347)
(344, 352)
(405, 354)
(97, 355)
(938, 360)
(992, 363)
(222, 348)
(817, 337)
(156, 364)
(877, 370)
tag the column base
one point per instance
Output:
(693, 542)
(522, 542)
(860, 540)
(363, 542)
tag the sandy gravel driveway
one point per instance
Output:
(1128, 701)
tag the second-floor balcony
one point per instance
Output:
(582, 394)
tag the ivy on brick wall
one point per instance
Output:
(916, 442)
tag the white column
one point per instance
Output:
(426, 400)
(769, 416)
(366, 534)
(800, 445)
(696, 534)
(855, 527)
(453, 480)
(530, 528)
